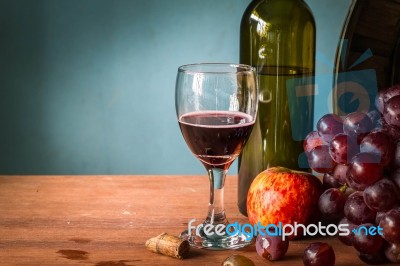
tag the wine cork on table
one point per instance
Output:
(169, 245)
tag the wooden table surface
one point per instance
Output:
(105, 220)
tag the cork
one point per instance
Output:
(168, 245)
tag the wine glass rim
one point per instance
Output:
(216, 68)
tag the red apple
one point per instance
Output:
(280, 195)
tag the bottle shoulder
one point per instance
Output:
(278, 10)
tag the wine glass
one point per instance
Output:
(216, 106)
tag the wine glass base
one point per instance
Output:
(216, 242)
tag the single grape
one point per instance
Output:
(320, 160)
(237, 260)
(378, 217)
(347, 239)
(365, 168)
(381, 195)
(391, 111)
(342, 148)
(329, 181)
(391, 92)
(390, 223)
(365, 242)
(312, 140)
(357, 211)
(392, 252)
(319, 254)
(271, 247)
(340, 172)
(385, 95)
(379, 143)
(331, 203)
(329, 125)
(357, 125)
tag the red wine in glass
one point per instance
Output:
(216, 138)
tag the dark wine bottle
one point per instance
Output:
(277, 37)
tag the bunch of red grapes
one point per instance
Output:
(359, 155)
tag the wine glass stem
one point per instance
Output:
(216, 210)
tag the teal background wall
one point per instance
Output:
(87, 87)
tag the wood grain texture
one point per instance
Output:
(106, 220)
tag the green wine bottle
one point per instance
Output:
(278, 38)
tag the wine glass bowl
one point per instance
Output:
(216, 106)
